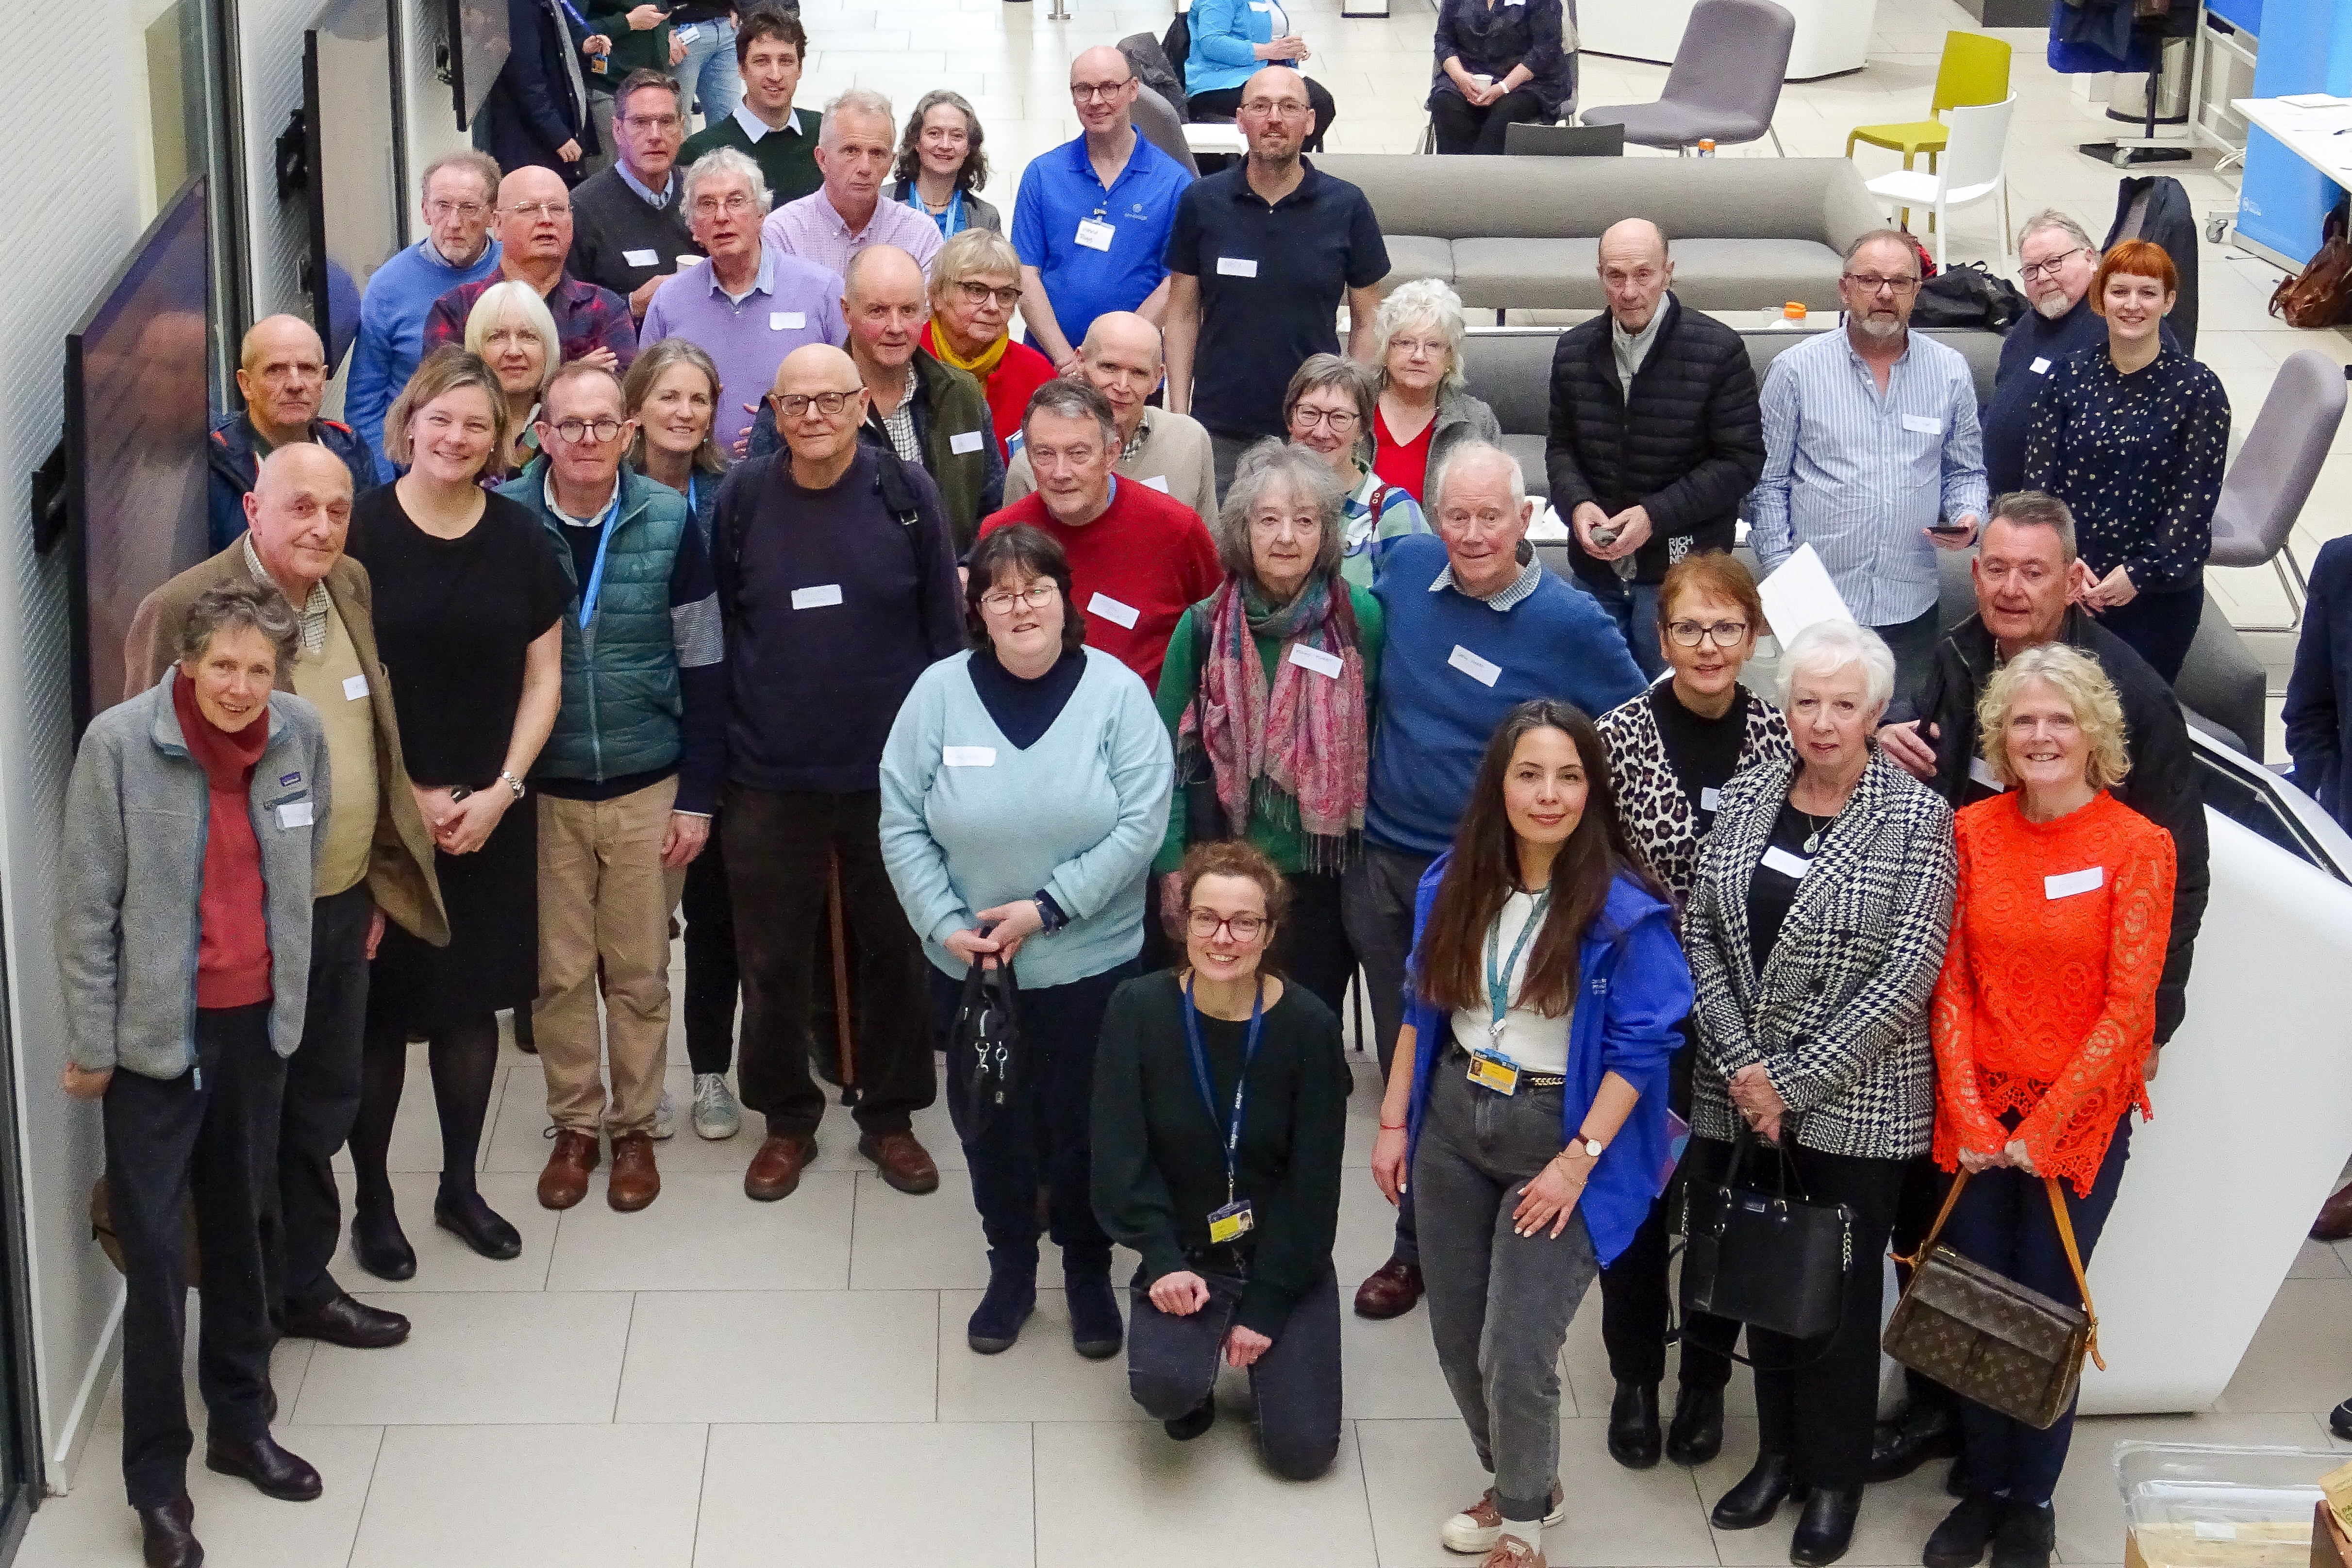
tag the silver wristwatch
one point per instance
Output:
(513, 783)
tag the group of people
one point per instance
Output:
(691, 555)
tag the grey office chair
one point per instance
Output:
(1725, 84)
(1157, 121)
(2263, 492)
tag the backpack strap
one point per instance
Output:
(898, 491)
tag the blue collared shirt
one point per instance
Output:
(658, 200)
(1058, 192)
(1859, 474)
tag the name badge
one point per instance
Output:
(964, 441)
(1095, 234)
(1316, 660)
(2073, 882)
(2040, 367)
(1710, 798)
(1920, 424)
(689, 33)
(354, 688)
(1102, 604)
(816, 598)
(969, 756)
(1261, 4)
(1231, 1223)
(787, 320)
(1981, 772)
(1793, 866)
(1495, 1073)
(1236, 267)
(1158, 482)
(297, 814)
(1471, 665)
(642, 257)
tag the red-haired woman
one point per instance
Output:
(2133, 437)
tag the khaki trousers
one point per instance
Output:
(603, 902)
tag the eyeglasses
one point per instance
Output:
(537, 210)
(1722, 634)
(641, 124)
(1868, 283)
(1277, 108)
(578, 430)
(1339, 419)
(1204, 924)
(1086, 91)
(711, 206)
(466, 210)
(1002, 601)
(981, 293)
(1419, 345)
(793, 405)
(2033, 270)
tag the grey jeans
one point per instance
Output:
(1499, 1303)
(1376, 895)
(1172, 1367)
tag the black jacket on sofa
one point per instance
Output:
(1688, 446)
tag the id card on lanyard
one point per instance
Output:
(607, 519)
(1489, 1068)
(1234, 1221)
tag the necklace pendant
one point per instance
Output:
(1813, 842)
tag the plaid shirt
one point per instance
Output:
(587, 318)
(313, 611)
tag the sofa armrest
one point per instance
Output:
(1848, 209)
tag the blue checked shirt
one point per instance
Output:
(1858, 475)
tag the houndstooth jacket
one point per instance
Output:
(1839, 1017)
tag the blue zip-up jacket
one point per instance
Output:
(1632, 988)
(234, 468)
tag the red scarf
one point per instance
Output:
(233, 939)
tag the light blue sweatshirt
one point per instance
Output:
(970, 823)
(392, 333)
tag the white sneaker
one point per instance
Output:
(716, 1115)
(665, 1119)
(1476, 1528)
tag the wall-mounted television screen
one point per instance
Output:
(349, 71)
(477, 51)
(136, 424)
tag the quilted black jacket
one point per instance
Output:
(1689, 447)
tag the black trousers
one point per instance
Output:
(711, 974)
(2160, 626)
(1226, 100)
(1816, 1400)
(1377, 894)
(1173, 1361)
(1463, 127)
(776, 846)
(1311, 944)
(303, 1217)
(209, 1135)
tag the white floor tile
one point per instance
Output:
(957, 1494)
(1210, 1499)
(703, 1234)
(445, 1263)
(485, 1358)
(1041, 1378)
(785, 1355)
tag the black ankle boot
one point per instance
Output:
(1752, 1504)
(1185, 1428)
(1827, 1528)
(2028, 1531)
(1928, 1429)
(1696, 1434)
(378, 1243)
(1633, 1440)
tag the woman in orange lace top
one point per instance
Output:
(2044, 1019)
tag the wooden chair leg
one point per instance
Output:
(841, 1010)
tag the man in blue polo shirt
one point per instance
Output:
(1092, 215)
(1259, 259)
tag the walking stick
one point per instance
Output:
(840, 977)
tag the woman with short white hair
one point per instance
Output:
(1425, 406)
(1815, 929)
(513, 333)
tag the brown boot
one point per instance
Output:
(775, 1170)
(903, 1161)
(635, 1183)
(1388, 1291)
(565, 1180)
(2335, 1221)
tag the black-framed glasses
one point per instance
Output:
(1722, 634)
(979, 293)
(1339, 419)
(1870, 283)
(1086, 91)
(1204, 924)
(792, 404)
(578, 430)
(2030, 270)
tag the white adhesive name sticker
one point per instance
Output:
(816, 598)
(642, 257)
(1236, 267)
(1471, 665)
(964, 441)
(2040, 367)
(685, 261)
(354, 688)
(1791, 866)
(1316, 660)
(1710, 798)
(787, 320)
(1920, 424)
(294, 814)
(1111, 609)
(1981, 772)
(2073, 882)
(1095, 234)
(969, 756)
(1158, 482)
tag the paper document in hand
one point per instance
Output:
(1800, 594)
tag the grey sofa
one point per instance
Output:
(1748, 234)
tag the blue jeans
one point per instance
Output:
(1635, 607)
(709, 74)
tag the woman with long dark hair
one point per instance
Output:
(1535, 1129)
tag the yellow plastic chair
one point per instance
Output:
(1973, 71)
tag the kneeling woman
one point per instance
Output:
(1220, 1117)
(1536, 1128)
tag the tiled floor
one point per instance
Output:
(720, 1383)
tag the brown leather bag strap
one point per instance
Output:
(1936, 1229)
(2074, 1260)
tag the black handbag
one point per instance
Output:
(1766, 1258)
(985, 1051)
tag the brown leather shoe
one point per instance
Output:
(2335, 1221)
(1389, 1291)
(903, 1162)
(565, 1180)
(775, 1170)
(634, 1181)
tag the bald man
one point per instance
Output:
(1121, 359)
(837, 585)
(534, 234)
(375, 862)
(282, 374)
(1655, 435)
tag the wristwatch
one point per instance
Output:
(513, 783)
(1589, 1147)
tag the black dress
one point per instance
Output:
(454, 619)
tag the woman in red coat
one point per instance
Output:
(976, 283)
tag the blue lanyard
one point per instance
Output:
(1498, 984)
(573, 12)
(950, 222)
(604, 542)
(1241, 1078)
(692, 504)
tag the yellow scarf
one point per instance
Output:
(981, 365)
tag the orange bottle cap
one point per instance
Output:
(1793, 310)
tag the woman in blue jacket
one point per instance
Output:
(1535, 1129)
(1233, 40)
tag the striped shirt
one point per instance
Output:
(1859, 474)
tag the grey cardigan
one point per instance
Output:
(1460, 417)
(133, 854)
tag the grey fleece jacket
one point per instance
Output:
(133, 852)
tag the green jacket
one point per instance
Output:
(631, 50)
(949, 403)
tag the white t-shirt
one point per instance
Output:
(1533, 1042)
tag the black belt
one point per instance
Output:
(1527, 1079)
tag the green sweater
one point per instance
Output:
(1159, 1155)
(633, 49)
(787, 158)
(1284, 844)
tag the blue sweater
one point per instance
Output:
(970, 822)
(391, 332)
(1633, 987)
(1224, 35)
(1435, 720)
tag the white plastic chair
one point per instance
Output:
(1974, 167)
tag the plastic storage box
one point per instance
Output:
(2188, 1505)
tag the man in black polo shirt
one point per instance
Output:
(1257, 262)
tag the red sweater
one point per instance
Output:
(1020, 372)
(1148, 556)
(233, 935)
